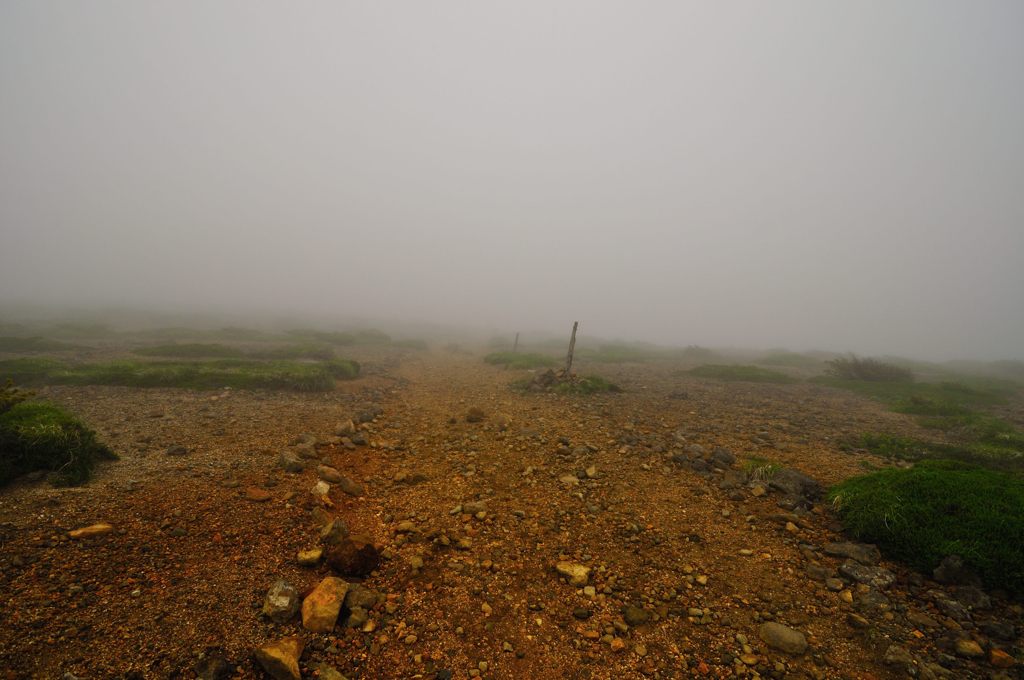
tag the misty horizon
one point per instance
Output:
(811, 176)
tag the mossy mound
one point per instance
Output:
(39, 436)
(939, 508)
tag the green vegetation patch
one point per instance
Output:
(590, 384)
(39, 436)
(939, 508)
(867, 369)
(236, 373)
(740, 373)
(34, 344)
(520, 360)
(193, 350)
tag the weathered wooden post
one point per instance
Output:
(572, 347)
(515, 345)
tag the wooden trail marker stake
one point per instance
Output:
(572, 346)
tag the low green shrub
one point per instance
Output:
(590, 384)
(39, 436)
(236, 373)
(872, 370)
(17, 344)
(738, 373)
(520, 360)
(194, 350)
(938, 508)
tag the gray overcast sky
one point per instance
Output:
(842, 175)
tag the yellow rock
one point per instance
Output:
(577, 574)
(1000, 659)
(321, 607)
(281, 659)
(91, 530)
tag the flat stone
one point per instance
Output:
(782, 637)
(321, 607)
(969, 648)
(353, 556)
(635, 616)
(577, 574)
(91, 531)
(861, 552)
(896, 655)
(280, 659)
(328, 474)
(310, 557)
(879, 577)
(257, 495)
(289, 462)
(281, 602)
(350, 486)
(334, 532)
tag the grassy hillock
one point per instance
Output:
(216, 374)
(520, 360)
(36, 435)
(939, 508)
(739, 373)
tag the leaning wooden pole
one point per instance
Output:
(515, 345)
(572, 347)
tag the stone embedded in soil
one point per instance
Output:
(953, 571)
(353, 556)
(352, 488)
(213, 665)
(310, 558)
(796, 484)
(635, 616)
(328, 474)
(282, 602)
(321, 607)
(334, 532)
(861, 552)
(577, 574)
(897, 655)
(92, 530)
(289, 462)
(176, 450)
(475, 415)
(345, 428)
(879, 577)
(280, 659)
(1000, 659)
(257, 495)
(782, 637)
(969, 648)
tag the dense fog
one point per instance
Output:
(841, 176)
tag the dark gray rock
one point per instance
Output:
(334, 532)
(818, 572)
(177, 450)
(972, 597)
(862, 552)
(289, 462)
(723, 457)
(351, 487)
(784, 638)
(796, 484)
(635, 616)
(878, 577)
(282, 601)
(953, 571)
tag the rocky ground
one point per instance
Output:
(477, 532)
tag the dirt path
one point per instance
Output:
(472, 518)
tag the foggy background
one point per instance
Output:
(834, 175)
